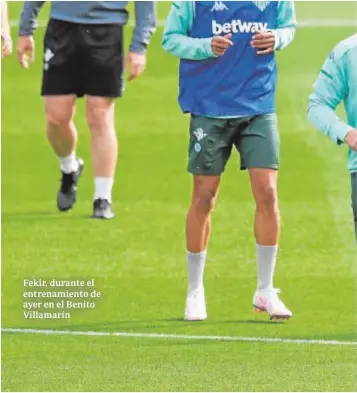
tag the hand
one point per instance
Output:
(220, 44)
(135, 63)
(351, 139)
(6, 49)
(25, 51)
(264, 41)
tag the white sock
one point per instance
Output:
(103, 188)
(266, 260)
(69, 164)
(196, 266)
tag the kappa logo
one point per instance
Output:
(332, 55)
(48, 55)
(199, 134)
(238, 26)
(219, 6)
(262, 5)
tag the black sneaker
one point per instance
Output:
(102, 208)
(67, 194)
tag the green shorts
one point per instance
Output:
(354, 199)
(256, 138)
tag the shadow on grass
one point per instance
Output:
(133, 325)
(43, 216)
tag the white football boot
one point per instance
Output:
(268, 301)
(196, 306)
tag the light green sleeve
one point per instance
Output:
(175, 38)
(330, 89)
(286, 24)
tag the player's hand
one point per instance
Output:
(220, 44)
(6, 49)
(264, 41)
(25, 51)
(351, 139)
(135, 64)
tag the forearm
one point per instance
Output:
(28, 19)
(145, 25)
(5, 27)
(188, 48)
(286, 24)
(176, 40)
(324, 118)
(283, 37)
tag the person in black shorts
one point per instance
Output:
(84, 56)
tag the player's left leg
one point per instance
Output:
(62, 135)
(103, 83)
(354, 199)
(259, 148)
(266, 229)
(104, 147)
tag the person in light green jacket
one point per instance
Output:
(336, 83)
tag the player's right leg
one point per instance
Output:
(354, 199)
(60, 87)
(209, 150)
(62, 136)
(104, 147)
(198, 228)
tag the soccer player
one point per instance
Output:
(228, 77)
(83, 56)
(6, 49)
(337, 82)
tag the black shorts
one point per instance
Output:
(83, 59)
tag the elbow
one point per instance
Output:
(312, 109)
(152, 25)
(316, 115)
(152, 29)
(166, 43)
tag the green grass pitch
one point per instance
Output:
(138, 258)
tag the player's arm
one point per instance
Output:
(5, 31)
(279, 38)
(28, 24)
(286, 25)
(28, 18)
(177, 42)
(145, 25)
(330, 89)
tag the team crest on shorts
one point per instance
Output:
(262, 5)
(198, 147)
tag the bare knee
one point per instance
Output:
(58, 119)
(100, 116)
(205, 202)
(266, 198)
(59, 112)
(96, 119)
